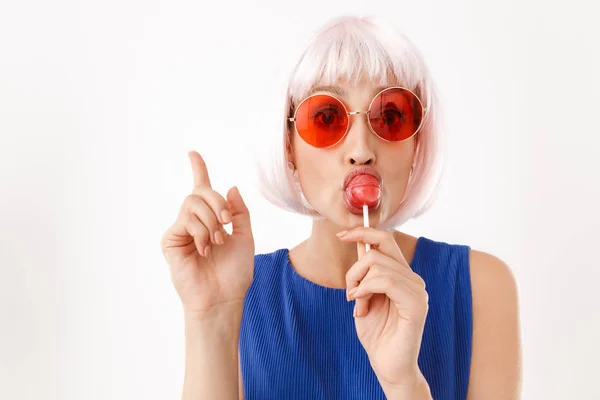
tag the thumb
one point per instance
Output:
(240, 216)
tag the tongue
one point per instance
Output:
(363, 189)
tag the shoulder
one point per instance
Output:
(494, 293)
(492, 282)
(491, 278)
(270, 263)
(278, 255)
(496, 347)
(446, 263)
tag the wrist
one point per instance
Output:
(222, 322)
(414, 387)
(230, 311)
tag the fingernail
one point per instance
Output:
(218, 237)
(225, 216)
(342, 233)
(354, 312)
(352, 292)
(206, 250)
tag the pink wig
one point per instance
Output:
(361, 50)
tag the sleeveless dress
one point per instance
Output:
(298, 339)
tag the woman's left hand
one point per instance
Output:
(391, 306)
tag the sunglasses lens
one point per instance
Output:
(396, 114)
(321, 120)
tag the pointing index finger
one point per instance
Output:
(201, 178)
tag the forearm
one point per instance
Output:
(211, 360)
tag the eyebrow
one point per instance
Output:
(338, 91)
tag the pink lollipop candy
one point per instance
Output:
(363, 192)
(363, 189)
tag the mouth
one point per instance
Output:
(362, 186)
(364, 170)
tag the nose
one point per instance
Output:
(360, 141)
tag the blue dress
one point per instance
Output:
(298, 339)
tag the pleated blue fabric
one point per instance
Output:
(298, 339)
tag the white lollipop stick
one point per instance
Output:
(366, 224)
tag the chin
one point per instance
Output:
(354, 216)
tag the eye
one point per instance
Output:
(326, 116)
(390, 117)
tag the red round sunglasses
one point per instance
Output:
(395, 114)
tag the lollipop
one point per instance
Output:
(363, 190)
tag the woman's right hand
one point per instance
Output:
(210, 269)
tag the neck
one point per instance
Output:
(329, 257)
(323, 258)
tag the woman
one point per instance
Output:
(373, 312)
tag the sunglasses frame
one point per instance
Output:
(349, 113)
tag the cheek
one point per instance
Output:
(399, 179)
(317, 174)
(396, 177)
(394, 193)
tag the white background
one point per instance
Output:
(100, 102)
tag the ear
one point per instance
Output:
(417, 141)
(416, 150)
(289, 153)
